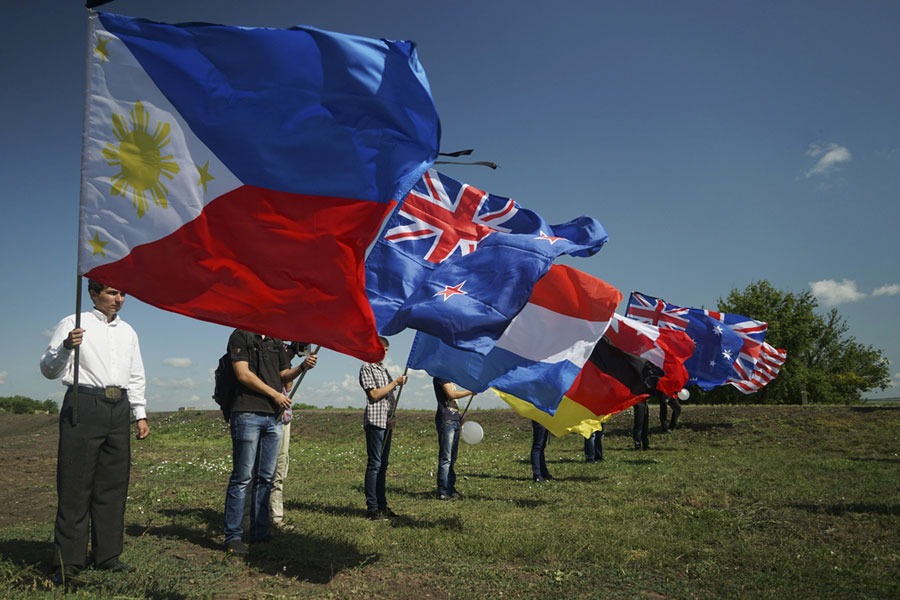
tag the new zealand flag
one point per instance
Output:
(459, 263)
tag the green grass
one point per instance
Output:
(742, 502)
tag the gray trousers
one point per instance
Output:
(91, 480)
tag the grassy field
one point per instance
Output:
(741, 502)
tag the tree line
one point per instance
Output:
(22, 405)
(822, 357)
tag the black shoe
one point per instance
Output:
(444, 497)
(454, 495)
(539, 479)
(548, 476)
(373, 515)
(116, 566)
(236, 547)
(64, 576)
(644, 448)
(589, 460)
(637, 447)
(386, 513)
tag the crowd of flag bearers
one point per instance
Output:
(269, 185)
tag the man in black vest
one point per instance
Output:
(262, 368)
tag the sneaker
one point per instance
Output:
(443, 497)
(237, 548)
(373, 515)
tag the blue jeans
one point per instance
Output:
(539, 437)
(378, 449)
(255, 438)
(448, 445)
(593, 446)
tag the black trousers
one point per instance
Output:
(91, 479)
(663, 412)
(640, 432)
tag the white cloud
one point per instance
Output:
(832, 293)
(887, 290)
(178, 363)
(3, 375)
(185, 383)
(829, 157)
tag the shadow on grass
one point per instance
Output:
(398, 521)
(306, 558)
(868, 409)
(33, 569)
(852, 508)
(311, 558)
(31, 560)
(210, 525)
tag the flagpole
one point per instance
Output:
(471, 397)
(302, 375)
(390, 431)
(78, 274)
(77, 353)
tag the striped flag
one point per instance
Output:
(668, 349)
(542, 350)
(767, 366)
(611, 381)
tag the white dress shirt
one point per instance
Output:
(109, 355)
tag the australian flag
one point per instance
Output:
(459, 263)
(716, 345)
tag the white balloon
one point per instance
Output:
(683, 394)
(472, 432)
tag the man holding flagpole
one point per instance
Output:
(94, 454)
(378, 421)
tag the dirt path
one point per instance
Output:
(27, 468)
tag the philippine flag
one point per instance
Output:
(237, 175)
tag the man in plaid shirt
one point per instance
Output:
(378, 421)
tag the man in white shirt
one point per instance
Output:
(94, 441)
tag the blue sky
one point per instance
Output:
(718, 142)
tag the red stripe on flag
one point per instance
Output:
(600, 393)
(570, 292)
(280, 264)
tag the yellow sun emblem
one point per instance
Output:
(101, 49)
(139, 154)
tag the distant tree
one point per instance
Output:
(22, 405)
(834, 367)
